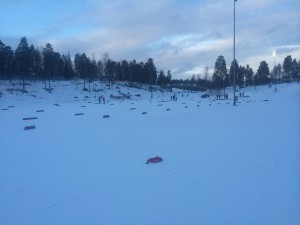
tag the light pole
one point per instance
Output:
(234, 98)
(274, 70)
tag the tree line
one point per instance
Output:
(33, 63)
(245, 76)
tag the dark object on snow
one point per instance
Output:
(78, 114)
(29, 127)
(40, 110)
(121, 96)
(205, 96)
(154, 160)
(144, 113)
(106, 116)
(30, 118)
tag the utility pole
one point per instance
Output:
(234, 80)
(274, 70)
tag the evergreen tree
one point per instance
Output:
(2, 60)
(169, 77)
(136, 71)
(125, 70)
(220, 75)
(93, 69)
(48, 63)
(100, 69)
(83, 67)
(150, 74)
(57, 65)
(237, 73)
(110, 69)
(193, 79)
(105, 59)
(22, 60)
(161, 79)
(118, 71)
(68, 70)
(9, 62)
(288, 67)
(295, 69)
(241, 76)
(298, 76)
(276, 73)
(262, 74)
(132, 70)
(35, 62)
(249, 75)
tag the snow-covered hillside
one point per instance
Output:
(222, 165)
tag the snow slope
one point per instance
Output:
(222, 164)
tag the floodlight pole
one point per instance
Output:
(234, 82)
(275, 75)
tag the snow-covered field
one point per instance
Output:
(222, 165)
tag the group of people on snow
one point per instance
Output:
(174, 97)
(219, 96)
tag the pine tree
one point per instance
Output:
(6, 61)
(2, 60)
(105, 59)
(22, 60)
(161, 79)
(35, 62)
(298, 76)
(110, 69)
(100, 69)
(241, 76)
(295, 69)
(48, 63)
(9, 62)
(169, 77)
(237, 73)
(220, 75)
(262, 73)
(68, 70)
(125, 70)
(83, 67)
(249, 75)
(150, 74)
(57, 65)
(288, 68)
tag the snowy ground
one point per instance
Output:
(223, 165)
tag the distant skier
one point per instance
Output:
(101, 98)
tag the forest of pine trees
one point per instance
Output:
(28, 62)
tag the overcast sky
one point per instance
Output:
(183, 36)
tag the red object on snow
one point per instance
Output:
(154, 160)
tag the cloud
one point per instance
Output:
(183, 36)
